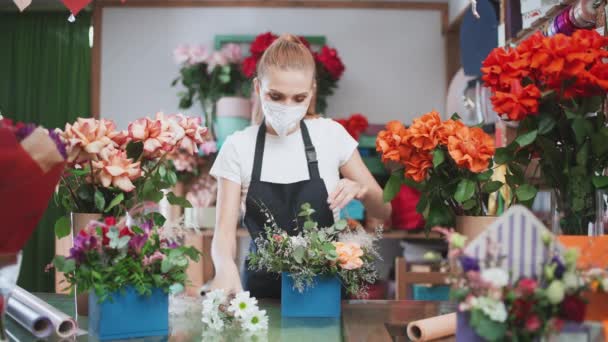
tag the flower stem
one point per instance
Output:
(71, 191)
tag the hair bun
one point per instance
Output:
(288, 37)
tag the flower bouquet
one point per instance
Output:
(329, 66)
(448, 162)
(208, 76)
(232, 316)
(128, 271)
(317, 258)
(553, 88)
(498, 308)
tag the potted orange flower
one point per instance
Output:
(448, 162)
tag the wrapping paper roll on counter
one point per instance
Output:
(432, 328)
(34, 322)
(37, 311)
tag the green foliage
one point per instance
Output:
(62, 227)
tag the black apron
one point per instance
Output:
(284, 202)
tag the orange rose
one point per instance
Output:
(416, 167)
(114, 168)
(87, 137)
(349, 255)
(471, 148)
(446, 130)
(421, 131)
(389, 141)
(517, 104)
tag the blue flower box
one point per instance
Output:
(437, 292)
(129, 315)
(354, 210)
(323, 299)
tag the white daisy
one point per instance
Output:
(213, 321)
(255, 320)
(242, 303)
(216, 296)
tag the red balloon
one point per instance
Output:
(76, 6)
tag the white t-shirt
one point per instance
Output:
(284, 157)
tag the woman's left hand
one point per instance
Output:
(346, 191)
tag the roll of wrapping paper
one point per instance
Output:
(432, 328)
(34, 322)
(63, 325)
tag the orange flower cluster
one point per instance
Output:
(518, 76)
(413, 147)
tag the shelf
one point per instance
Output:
(540, 22)
(389, 234)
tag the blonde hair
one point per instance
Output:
(286, 53)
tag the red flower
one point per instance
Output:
(110, 221)
(126, 231)
(277, 238)
(573, 309)
(522, 309)
(331, 62)
(518, 103)
(305, 42)
(261, 43)
(355, 125)
(533, 323)
(527, 286)
(248, 66)
(105, 240)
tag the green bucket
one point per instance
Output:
(225, 126)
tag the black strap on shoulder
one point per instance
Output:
(260, 142)
(311, 153)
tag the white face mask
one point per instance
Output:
(281, 117)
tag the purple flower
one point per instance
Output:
(137, 242)
(469, 264)
(60, 145)
(559, 269)
(82, 243)
(147, 226)
(24, 131)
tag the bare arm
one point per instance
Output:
(223, 247)
(359, 183)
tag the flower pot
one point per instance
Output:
(62, 247)
(232, 106)
(203, 218)
(128, 315)
(472, 226)
(225, 126)
(322, 299)
(464, 332)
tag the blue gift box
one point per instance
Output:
(438, 292)
(354, 210)
(323, 299)
(129, 315)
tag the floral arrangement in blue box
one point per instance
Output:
(128, 272)
(316, 262)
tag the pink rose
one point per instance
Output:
(533, 323)
(157, 256)
(215, 59)
(114, 168)
(527, 286)
(232, 53)
(277, 238)
(190, 134)
(155, 134)
(86, 138)
(198, 54)
(208, 147)
(181, 54)
(349, 255)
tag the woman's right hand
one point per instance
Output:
(227, 279)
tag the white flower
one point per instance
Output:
(556, 292)
(494, 309)
(242, 303)
(258, 336)
(496, 277)
(298, 241)
(216, 297)
(360, 237)
(571, 281)
(255, 320)
(213, 320)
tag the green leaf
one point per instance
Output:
(393, 186)
(137, 230)
(135, 149)
(470, 204)
(63, 227)
(438, 157)
(175, 200)
(116, 201)
(486, 328)
(546, 125)
(308, 225)
(527, 138)
(464, 191)
(341, 225)
(162, 171)
(491, 187)
(157, 218)
(223, 78)
(423, 203)
(582, 157)
(570, 114)
(581, 128)
(100, 201)
(79, 172)
(525, 192)
(171, 177)
(455, 117)
(486, 175)
(600, 182)
(439, 214)
(166, 265)
(503, 155)
(155, 196)
(298, 254)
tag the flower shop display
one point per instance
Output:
(232, 316)
(329, 66)
(208, 76)
(448, 162)
(554, 89)
(128, 272)
(514, 282)
(315, 263)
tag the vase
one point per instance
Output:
(127, 314)
(209, 115)
(193, 238)
(589, 218)
(227, 125)
(78, 221)
(472, 226)
(200, 218)
(233, 106)
(322, 299)
(10, 264)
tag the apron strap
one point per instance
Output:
(311, 153)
